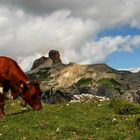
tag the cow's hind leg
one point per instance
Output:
(1, 103)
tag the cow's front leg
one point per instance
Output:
(1, 103)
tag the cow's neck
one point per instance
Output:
(18, 77)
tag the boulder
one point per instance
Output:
(58, 96)
(104, 91)
(132, 96)
(55, 56)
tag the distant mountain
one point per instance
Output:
(98, 79)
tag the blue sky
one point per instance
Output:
(125, 60)
(121, 30)
(83, 31)
(122, 59)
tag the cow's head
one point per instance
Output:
(32, 94)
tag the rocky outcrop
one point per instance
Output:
(55, 97)
(132, 96)
(55, 56)
(104, 91)
(43, 62)
(38, 62)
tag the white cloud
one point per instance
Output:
(98, 51)
(26, 62)
(30, 27)
(24, 35)
(134, 70)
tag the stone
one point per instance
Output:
(104, 91)
(132, 96)
(55, 56)
(58, 96)
(38, 62)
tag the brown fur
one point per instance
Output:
(12, 77)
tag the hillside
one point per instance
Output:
(101, 115)
(92, 120)
(97, 79)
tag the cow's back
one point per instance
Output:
(6, 65)
(6, 62)
(9, 69)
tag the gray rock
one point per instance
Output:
(104, 91)
(58, 96)
(132, 96)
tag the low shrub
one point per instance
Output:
(137, 122)
(110, 83)
(123, 107)
(85, 81)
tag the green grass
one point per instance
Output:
(124, 107)
(110, 83)
(77, 121)
(85, 81)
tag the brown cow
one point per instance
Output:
(12, 77)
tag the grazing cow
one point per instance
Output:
(12, 77)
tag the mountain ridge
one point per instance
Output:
(103, 79)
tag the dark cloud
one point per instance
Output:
(107, 12)
(43, 7)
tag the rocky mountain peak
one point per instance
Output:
(54, 58)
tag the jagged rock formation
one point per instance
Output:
(54, 58)
(38, 62)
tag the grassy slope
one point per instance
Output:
(93, 120)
